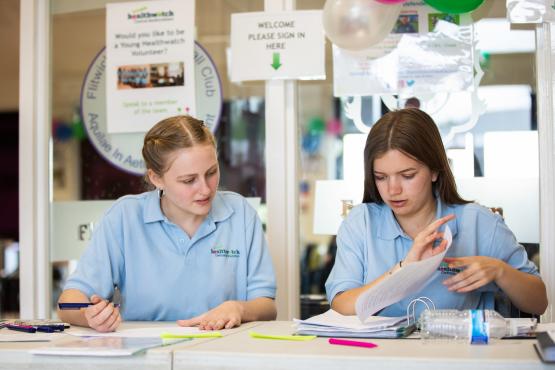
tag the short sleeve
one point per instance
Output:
(99, 267)
(349, 268)
(261, 281)
(505, 247)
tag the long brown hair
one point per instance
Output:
(172, 134)
(415, 134)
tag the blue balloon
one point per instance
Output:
(311, 143)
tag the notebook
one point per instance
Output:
(102, 346)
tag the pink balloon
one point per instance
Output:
(390, 1)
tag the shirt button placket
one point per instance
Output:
(189, 261)
(181, 243)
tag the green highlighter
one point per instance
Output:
(212, 334)
(299, 338)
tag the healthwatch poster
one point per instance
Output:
(149, 63)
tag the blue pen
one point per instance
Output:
(77, 306)
(58, 327)
(45, 329)
(116, 300)
(73, 306)
(24, 328)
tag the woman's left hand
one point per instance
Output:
(478, 271)
(225, 316)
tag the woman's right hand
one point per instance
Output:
(102, 315)
(423, 245)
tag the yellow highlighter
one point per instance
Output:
(300, 338)
(211, 334)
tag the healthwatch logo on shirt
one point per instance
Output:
(221, 252)
(446, 270)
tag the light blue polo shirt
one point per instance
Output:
(370, 242)
(165, 275)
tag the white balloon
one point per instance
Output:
(358, 24)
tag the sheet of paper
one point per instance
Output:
(406, 281)
(153, 332)
(334, 320)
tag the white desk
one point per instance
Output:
(239, 351)
(15, 356)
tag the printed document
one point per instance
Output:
(408, 280)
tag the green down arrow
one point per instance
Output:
(276, 64)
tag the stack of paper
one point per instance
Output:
(333, 324)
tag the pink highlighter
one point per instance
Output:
(354, 343)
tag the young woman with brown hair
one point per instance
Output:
(409, 194)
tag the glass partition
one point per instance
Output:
(497, 151)
(84, 180)
(495, 161)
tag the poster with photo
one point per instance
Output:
(407, 22)
(425, 52)
(149, 63)
(433, 18)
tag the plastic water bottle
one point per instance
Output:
(470, 326)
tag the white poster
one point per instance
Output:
(426, 52)
(124, 151)
(282, 45)
(149, 63)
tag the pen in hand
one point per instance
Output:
(116, 300)
(77, 305)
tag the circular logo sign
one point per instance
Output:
(124, 150)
